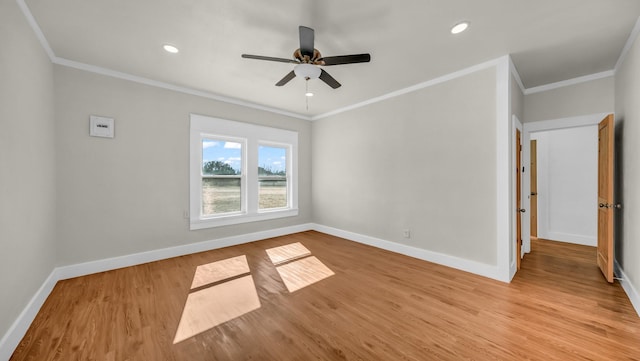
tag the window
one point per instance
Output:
(221, 176)
(240, 172)
(272, 176)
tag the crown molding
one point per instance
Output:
(36, 29)
(138, 79)
(186, 90)
(413, 88)
(632, 38)
(569, 82)
(173, 87)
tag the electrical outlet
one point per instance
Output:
(406, 233)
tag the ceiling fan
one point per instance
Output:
(308, 60)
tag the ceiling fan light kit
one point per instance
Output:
(307, 71)
(309, 60)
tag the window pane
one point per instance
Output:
(272, 177)
(221, 195)
(220, 157)
(273, 194)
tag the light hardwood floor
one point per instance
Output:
(375, 306)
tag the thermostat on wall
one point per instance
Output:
(101, 127)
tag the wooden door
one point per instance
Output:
(533, 208)
(605, 196)
(518, 199)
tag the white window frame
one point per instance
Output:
(252, 136)
(288, 175)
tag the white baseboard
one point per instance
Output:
(83, 269)
(16, 332)
(478, 268)
(571, 238)
(628, 288)
(513, 268)
(18, 329)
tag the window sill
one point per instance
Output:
(241, 218)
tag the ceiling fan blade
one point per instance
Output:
(325, 77)
(345, 59)
(306, 41)
(287, 78)
(269, 58)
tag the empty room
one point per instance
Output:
(305, 180)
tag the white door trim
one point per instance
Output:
(525, 230)
(545, 125)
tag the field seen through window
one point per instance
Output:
(223, 195)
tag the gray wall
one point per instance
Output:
(517, 99)
(627, 91)
(425, 161)
(591, 97)
(27, 182)
(128, 194)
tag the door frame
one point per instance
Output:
(544, 125)
(516, 125)
(533, 211)
(519, 204)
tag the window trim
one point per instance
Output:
(253, 136)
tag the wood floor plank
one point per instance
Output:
(376, 306)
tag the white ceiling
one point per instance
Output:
(409, 41)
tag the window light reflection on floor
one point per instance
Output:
(302, 273)
(207, 274)
(231, 294)
(286, 253)
(224, 290)
(296, 266)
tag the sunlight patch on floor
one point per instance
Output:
(209, 307)
(224, 290)
(287, 253)
(296, 266)
(221, 270)
(302, 273)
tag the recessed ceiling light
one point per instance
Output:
(308, 94)
(170, 48)
(459, 27)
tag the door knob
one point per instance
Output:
(534, 193)
(521, 210)
(602, 205)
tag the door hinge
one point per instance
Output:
(610, 205)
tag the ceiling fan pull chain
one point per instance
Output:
(306, 88)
